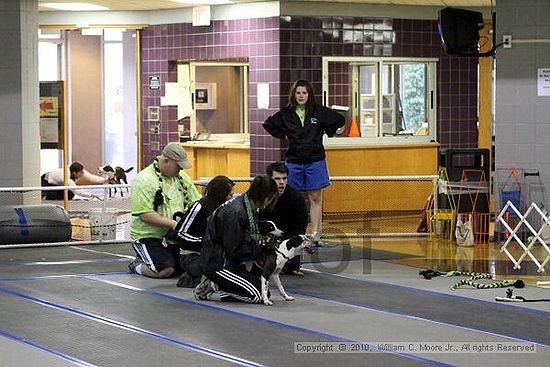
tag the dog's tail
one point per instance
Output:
(129, 169)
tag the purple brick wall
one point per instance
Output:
(252, 40)
(282, 49)
(304, 40)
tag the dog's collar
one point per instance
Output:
(283, 255)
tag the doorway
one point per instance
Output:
(99, 67)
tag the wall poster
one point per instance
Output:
(51, 115)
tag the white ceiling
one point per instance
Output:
(168, 4)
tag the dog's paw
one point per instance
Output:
(289, 298)
(268, 302)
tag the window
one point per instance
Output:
(50, 61)
(119, 99)
(219, 99)
(391, 100)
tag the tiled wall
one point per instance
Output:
(304, 40)
(252, 40)
(522, 116)
(283, 49)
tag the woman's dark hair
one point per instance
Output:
(216, 192)
(262, 187)
(310, 95)
(74, 168)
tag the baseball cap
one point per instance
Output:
(176, 152)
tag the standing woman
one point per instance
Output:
(303, 123)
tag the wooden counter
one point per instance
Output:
(379, 160)
(232, 159)
(210, 159)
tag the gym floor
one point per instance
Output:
(79, 306)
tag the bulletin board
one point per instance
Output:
(52, 114)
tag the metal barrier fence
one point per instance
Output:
(352, 207)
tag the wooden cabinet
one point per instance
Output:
(212, 159)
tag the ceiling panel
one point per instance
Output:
(168, 4)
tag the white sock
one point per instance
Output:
(138, 269)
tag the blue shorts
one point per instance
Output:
(309, 176)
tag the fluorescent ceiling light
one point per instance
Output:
(92, 31)
(203, 2)
(49, 34)
(74, 6)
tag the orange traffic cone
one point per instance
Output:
(354, 129)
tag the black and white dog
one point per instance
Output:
(116, 176)
(274, 256)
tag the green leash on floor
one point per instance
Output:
(429, 274)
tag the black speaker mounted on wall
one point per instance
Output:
(459, 31)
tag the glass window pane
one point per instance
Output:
(114, 103)
(339, 93)
(219, 99)
(368, 105)
(339, 81)
(367, 79)
(386, 79)
(48, 61)
(387, 101)
(390, 105)
(413, 94)
(110, 34)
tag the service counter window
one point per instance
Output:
(385, 100)
(219, 101)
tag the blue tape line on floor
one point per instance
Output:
(47, 350)
(268, 321)
(434, 293)
(65, 262)
(125, 326)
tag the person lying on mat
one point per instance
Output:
(76, 172)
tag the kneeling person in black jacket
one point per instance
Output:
(231, 238)
(192, 225)
(289, 212)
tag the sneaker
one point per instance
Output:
(134, 264)
(316, 238)
(203, 289)
(296, 273)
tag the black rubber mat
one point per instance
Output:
(492, 317)
(61, 253)
(504, 266)
(94, 266)
(48, 261)
(93, 342)
(347, 253)
(264, 342)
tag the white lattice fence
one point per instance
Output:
(542, 221)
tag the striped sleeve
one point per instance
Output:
(190, 230)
